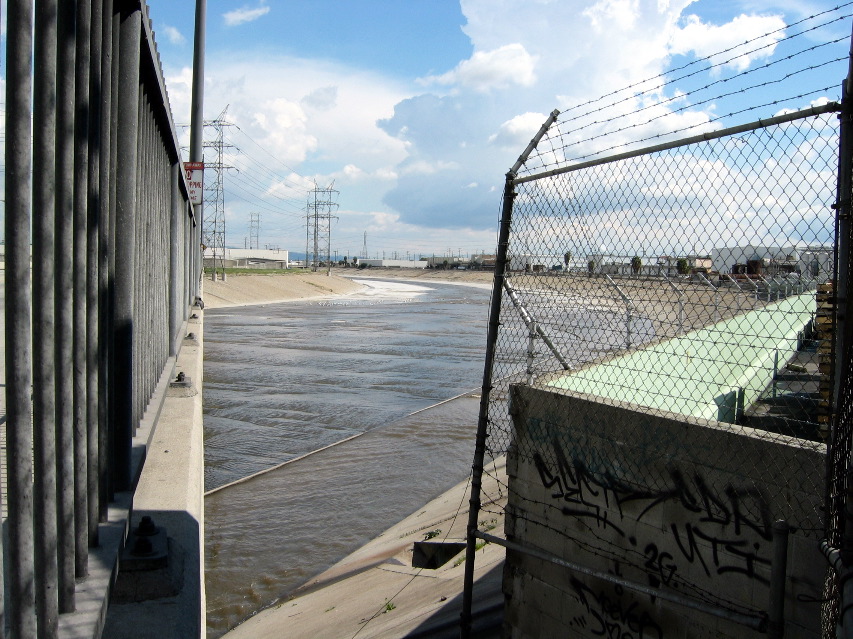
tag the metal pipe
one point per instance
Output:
(829, 107)
(64, 300)
(174, 251)
(531, 350)
(501, 261)
(756, 621)
(483, 420)
(629, 308)
(18, 161)
(716, 296)
(525, 316)
(104, 250)
(112, 332)
(833, 556)
(737, 286)
(680, 295)
(197, 123)
(80, 296)
(127, 133)
(778, 577)
(92, 273)
(44, 327)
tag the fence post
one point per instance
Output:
(501, 259)
(680, 295)
(842, 336)
(629, 307)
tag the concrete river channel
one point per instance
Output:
(369, 372)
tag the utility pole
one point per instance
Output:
(321, 204)
(197, 125)
(214, 225)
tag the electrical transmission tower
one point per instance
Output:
(321, 204)
(254, 230)
(213, 233)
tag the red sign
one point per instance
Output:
(195, 181)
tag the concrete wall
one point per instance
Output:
(168, 601)
(669, 502)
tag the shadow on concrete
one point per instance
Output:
(487, 612)
(163, 599)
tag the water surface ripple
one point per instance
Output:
(284, 380)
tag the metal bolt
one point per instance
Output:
(180, 377)
(146, 527)
(142, 547)
(190, 336)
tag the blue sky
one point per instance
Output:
(416, 109)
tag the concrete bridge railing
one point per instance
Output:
(96, 194)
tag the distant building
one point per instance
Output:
(810, 261)
(250, 258)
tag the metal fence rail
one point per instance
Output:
(688, 279)
(114, 258)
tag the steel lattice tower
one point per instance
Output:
(254, 230)
(214, 194)
(321, 205)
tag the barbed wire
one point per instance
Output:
(572, 130)
(705, 59)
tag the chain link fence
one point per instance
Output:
(691, 282)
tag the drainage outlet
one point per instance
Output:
(434, 554)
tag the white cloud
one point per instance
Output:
(419, 158)
(243, 15)
(499, 68)
(706, 39)
(173, 35)
(519, 130)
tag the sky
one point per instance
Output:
(413, 111)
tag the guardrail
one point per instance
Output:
(115, 270)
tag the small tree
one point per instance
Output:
(636, 264)
(590, 266)
(567, 257)
(682, 266)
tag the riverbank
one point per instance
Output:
(245, 289)
(376, 593)
(263, 288)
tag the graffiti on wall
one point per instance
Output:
(723, 531)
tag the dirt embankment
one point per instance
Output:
(241, 290)
(245, 289)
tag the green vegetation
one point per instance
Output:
(389, 606)
(487, 525)
(432, 534)
(480, 544)
(636, 264)
(682, 266)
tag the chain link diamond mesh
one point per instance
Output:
(689, 282)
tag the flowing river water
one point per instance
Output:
(370, 370)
